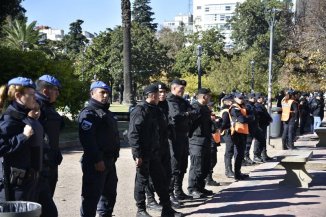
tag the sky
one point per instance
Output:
(96, 14)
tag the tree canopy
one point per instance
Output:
(142, 14)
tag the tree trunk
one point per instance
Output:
(126, 26)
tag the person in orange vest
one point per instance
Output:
(289, 118)
(239, 132)
(226, 133)
(215, 142)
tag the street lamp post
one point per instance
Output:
(252, 62)
(271, 22)
(199, 53)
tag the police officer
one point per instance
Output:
(239, 131)
(255, 132)
(264, 119)
(180, 116)
(144, 139)
(289, 118)
(21, 141)
(226, 133)
(199, 145)
(99, 136)
(47, 88)
(304, 111)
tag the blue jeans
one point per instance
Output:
(317, 122)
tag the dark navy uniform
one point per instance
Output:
(180, 115)
(144, 139)
(199, 148)
(52, 123)
(23, 159)
(99, 136)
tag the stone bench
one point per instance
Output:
(296, 173)
(321, 132)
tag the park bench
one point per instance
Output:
(122, 116)
(321, 132)
(296, 173)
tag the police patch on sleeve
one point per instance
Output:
(86, 125)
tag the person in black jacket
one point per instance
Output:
(144, 139)
(199, 146)
(180, 116)
(317, 110)
(21, 146)
(264, 119)
(47, 93)
(304, 111)
(99, 136)
(226, 133)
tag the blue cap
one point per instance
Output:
(51, 80)
(25, 82)
(100, 84)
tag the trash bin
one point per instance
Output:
(276, 124)
(20, 209)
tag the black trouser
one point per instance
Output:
(199, 167)
(213, 158)
(239, 141)
(99, 189)
(303, 121)
(259, 136)
(52, 178)
(179, 149)
(260, 147)
(229, 150)
(151, 168)
(166, 163)
(287, 136)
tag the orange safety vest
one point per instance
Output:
(286, 109)
(236, 126)
(221, 114)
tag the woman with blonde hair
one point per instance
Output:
(17, 99)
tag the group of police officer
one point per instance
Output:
(164, 130)
(29, 141)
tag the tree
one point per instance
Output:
(173, 40)
(10, 8)
(75, 41)
(20, 36)
(212, 42)
(142, 14)
(126, 26)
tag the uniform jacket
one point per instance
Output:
(98, 132)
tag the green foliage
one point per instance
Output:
(75, 41)
(213, 49)
(174, 41)
(104, 58)
(33, 64)
(10, 8)
(142, 14)
(20, 36)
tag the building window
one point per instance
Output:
(222, 17)
(215, 17)
(227, 8)
(198, 7)
(207, 9)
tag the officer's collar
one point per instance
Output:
(17, 111)
(42, 97)
(98, 105)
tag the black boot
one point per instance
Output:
(210, 181)
(167, 211)
(174, 202)
(153, 205)
(241, 176)
(258, 159)
(247, 161)
(178, 192)
(228, 171)
(142, 213)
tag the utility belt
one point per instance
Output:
(20, 176)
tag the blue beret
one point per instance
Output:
(25, 82)
(150, 89)
(228, 97)
(100, 84)
(251, 95)
(51, 80)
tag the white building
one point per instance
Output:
(51, 34)
(214, 13)
(180, 21)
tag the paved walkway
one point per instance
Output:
(261, 195)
